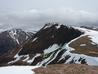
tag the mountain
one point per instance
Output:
(52, 44)
(10, 41)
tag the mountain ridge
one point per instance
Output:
(49, 45)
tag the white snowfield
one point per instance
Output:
(17, 70)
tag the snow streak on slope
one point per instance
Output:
(51, 49)
(17, 70)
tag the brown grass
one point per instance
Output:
(67, 69)
(89, 49)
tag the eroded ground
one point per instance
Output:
(85, 46)
(67, 69)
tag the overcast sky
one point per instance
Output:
(20, 5)
(35, 12)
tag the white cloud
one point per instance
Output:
(33, 19)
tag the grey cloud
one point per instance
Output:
(33, 19)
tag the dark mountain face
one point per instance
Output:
(48, 36)
(6, 42)
(21, 48)
(10, 41)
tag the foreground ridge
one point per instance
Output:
(67, 69)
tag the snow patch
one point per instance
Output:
(27, 57)
(13, 34)
(93, 43)
(51, 48)
(17, 59)
(34, 39)
(90, 60)
(45, 60)
(30, 61)
(82, 45)
(17, 70)
(53, 57)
